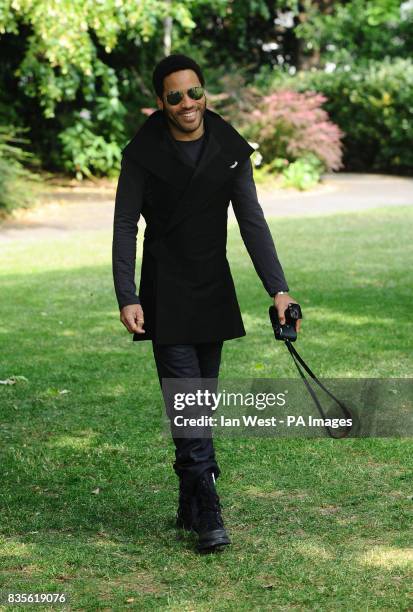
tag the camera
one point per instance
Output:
(288, 331)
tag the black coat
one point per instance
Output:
(186, 288)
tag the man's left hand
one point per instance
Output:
(281, 303)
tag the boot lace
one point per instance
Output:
(209, 507)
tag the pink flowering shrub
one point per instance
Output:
(291, 125)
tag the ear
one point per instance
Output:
(159, 103)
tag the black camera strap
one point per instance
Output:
(300, 361)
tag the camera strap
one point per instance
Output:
(300, 361)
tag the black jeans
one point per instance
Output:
(192, 455)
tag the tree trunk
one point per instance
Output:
(167, 32)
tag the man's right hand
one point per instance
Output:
(132, 318)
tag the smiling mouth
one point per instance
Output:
(189, 116)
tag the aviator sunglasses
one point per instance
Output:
(175, 97)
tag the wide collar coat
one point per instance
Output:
(186, 288)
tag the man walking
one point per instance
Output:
(180, 171)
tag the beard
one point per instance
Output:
(179, 123)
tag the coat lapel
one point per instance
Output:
(153, 148)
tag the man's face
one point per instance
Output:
(186, 116)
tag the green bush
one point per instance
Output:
(86, 153)
(302, 174)
(17, 183)
(92, 138)
(372, 104)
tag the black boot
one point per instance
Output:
(210, 526)
(187, 514)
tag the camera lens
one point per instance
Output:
(294, 312)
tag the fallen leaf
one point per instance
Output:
(13, 379)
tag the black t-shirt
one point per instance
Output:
(191, 148)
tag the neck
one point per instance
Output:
(186, 136)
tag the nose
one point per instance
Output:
(186, 101)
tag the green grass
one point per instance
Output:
(87, 489)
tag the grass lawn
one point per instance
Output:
(88, 494)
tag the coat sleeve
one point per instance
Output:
(128, 206)
(255, 231)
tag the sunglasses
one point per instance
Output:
(175, 97)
